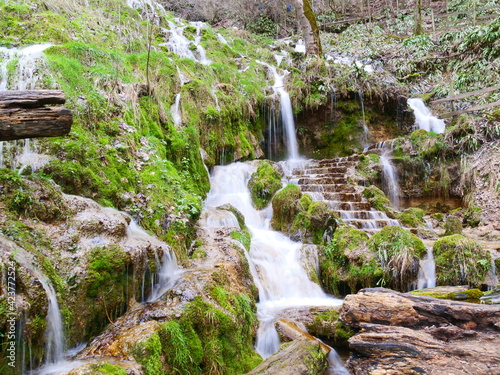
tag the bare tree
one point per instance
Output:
(309, 26)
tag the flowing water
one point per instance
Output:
(390, 184)
(182, 46)
(424, 118)
(427, 271)
(283, 282)
(286, 113)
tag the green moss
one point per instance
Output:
(398, 251)
(412, 217)
(149, 355)
(109, 369)
(327, 325)
(474, 294)
(347, 264)
(379, 201)
(452, 225)
(460, 261)
(263, 184)
(286, 206)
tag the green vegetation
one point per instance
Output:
(412, 217)
(286, 207)
(398, 251)
(452, 225)
(204, 339)
(327, 325)
(108, 369)
(263, 184)
(379, 201)
(346, 264)
(460, 260)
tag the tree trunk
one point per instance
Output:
(309, 26)
(19, 123)
(418, 18)
(30, 99)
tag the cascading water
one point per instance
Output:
(389, 173)
(424, 118)
(27, 62)
(286, 113)
(427, 271)
(182, 46)
(283, 282)
(175, 108)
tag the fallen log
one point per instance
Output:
(31, 98)
(19, 123)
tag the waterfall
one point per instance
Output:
(2, 165)
(492, 278)
(286, 113)
(366, 131)
(335, 367)
(424, 118)
(54, 335)
(175, 108)
(282, 281)
(427, 271)
(389, 174)
(182, 46)
(24, 75)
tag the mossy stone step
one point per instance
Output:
(328, 188)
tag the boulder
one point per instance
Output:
(300, 357)
(406, 334)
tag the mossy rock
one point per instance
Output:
(412, 217)
(316, 218)
(460, 260)
(326, 325)
(379, 201)
(286, 207)
(398, 251)
(347, 264)
(456, 293)
(263, 184)
(452, 225)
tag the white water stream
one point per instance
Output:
(424, 118)
(427, 271)
(389, 173)
(286, 112)
(282, 281)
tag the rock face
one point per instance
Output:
(301, 357)
(405, 334)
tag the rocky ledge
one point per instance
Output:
(405, 334)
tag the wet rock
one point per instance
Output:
(405, 334)
(300, 357)
(453, 225)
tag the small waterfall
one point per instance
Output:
(168, 271)
(427, 271)
(424, 118)
(182, 46)
(492, 278)
(175, 108)
(2, 165)
(221, 38)
(366, 131)
(335, 364)
(54, 344)
(214, 93)
(19, 69)
(286, 113)
(282, 280)
(389, 173)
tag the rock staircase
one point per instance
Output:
(326, 180)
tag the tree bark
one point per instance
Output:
(19, 123)
(31, 99)
(309, 26)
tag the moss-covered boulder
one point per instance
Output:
(327, 325)
(263, 184)
(452, 225)
(398, 251)
(347, 264)
(297, 215)
(412, 217)
(379, 201)
(460, 260)
(286, 206)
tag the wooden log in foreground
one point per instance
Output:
(31, 98)
(19, 123)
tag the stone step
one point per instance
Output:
(322, 180)
(369, 224)
(319, 170)
(343, 197)
(348, 206)
(319, 175)
(359, 215)
(328, 188)
(352, 158)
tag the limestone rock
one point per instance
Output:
(405, 334)
(301, 357)
(453, 225)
